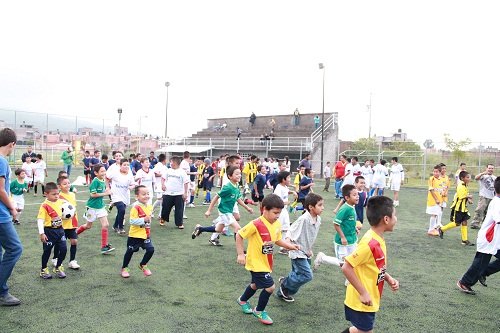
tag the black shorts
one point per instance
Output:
(207, 185)
(259, 199)
(86, 172)
(70, 234)
(134, 244)
(262, 279)
(363, 321)
(459, 217)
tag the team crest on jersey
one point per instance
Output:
(381, 275)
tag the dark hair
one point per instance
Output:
(39, 156)
(50, 186)
(442, 164)
(437, 167)
(383, 162)
(87, 152)
(7, 136)
(232, 159)
(175, 159)
(463, 163)
(162, 157)
(97, 167)
(61, 173)
(144, 159)
(358, 178)
(354, 158)
(186, 154)
(312, 199)
(272, 201)
(497, 185)
(395, 159)
(18, 171)
(152, 152)
(104, 157)
(262, 166)
(60, 179)
(138, 188)
(282, 175)
(462, 175)
(346, 190)
(231, 169)
(123, 160)
(307, 171)
(377, 208)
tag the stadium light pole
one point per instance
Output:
(119, 126)
(167, 84)
(322, 67)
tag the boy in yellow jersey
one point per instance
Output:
(51, 231)
(459, 212)
(199, 179)
(261, 234)
(250, 171)
(69, 225)
(434, 201)
(366, 267)
(139, 233)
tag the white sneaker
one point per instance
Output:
(184, 217)
(396, 203)
(318, 261)
(73, 264)
(191, 205)
(54, 262)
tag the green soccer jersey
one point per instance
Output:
(97, 186)
(16, 188)
(229, 194)
(346, 219)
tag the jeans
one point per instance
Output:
(338, 187)
(481, 266)
(10, 251)
(120, 214)
(301, 274)
(67, 169)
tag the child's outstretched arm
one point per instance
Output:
(242, 204)
(288, 245)
(241, 259)
(351, 276)
(214, 201)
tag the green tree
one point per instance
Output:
(365, 144)
(405, 146)
(456, 147)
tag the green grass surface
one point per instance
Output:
(194, 285)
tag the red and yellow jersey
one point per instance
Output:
(434, 185)
(369, 262)
(71, 223)
(256, 261)
(137, 213)
(51, 212)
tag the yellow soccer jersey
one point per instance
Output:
(250, 171)
(444, 182)
(369, 261)
(256, 261)
(71, 198)
(200, 170)
(55, 209)
(460, 200)
(137, 213)
(434, 184)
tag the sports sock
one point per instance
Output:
(463, 231)
(18, 217)
(43, 188)
(438, 220)
(347, 330)
(247, 294)
(449, 226)
(36, 189)
(214, 236)
(72, 252)
(208, 229)
(263, 300)
(432, 222)
(104, 237)
(207, 197)
(330, 260)
(80, 229)
(191, 200)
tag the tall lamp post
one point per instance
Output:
(321, 66)
(119, 126)
(167, 84)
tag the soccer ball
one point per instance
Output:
(68, 210)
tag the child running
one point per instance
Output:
(139, 233)
(366, 267)
(302, 232)
(122, 182)
(261, 234)
(229, 195)
(17, 189)
(459, 212)
(28, 168)
(283, 191)
(146, 177)
(488, 244)
(51, 231)
(69, 225)
(95, 207)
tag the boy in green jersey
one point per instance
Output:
(229, 195)
(17, 189)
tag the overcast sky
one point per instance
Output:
(433, 67)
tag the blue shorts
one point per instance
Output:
(70, 234)
(361, 320)
(262, 280)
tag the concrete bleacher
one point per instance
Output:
(284, 126)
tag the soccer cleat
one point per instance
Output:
(145, 270)
(475, 226)
(54, 262)
(73, 264)
(122, 232)
(482, 280)
(196, 231)
(16, 222)
(60, 272)
(162, 222)
(214, 242)
(191, 205)
(245, 306)
(45, 274)
(262, 316)
(433, 233)
(206, 203)
(318, 261)
(466, 289)
(109, 207)
(440, 232)
(116, 230)
(467, 243)
(9, 300)
(106, 249)
(124, 273)
(396, 203)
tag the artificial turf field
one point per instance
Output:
(195, 285)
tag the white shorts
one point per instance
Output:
(192, 186)
(39, 179)
(92, 214)
(284, 219)
(395, 185)
(378, 183)
(434, 210)
(158, 191)
(342, 251)
(226, 219)
(18, 201)
(236, 209)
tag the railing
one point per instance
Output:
(316, 135)
(249, 143)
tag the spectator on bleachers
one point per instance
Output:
(252, 119)
(317, 120)
(296, 117)
(238, 133)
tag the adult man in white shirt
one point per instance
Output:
(486, 193)
(397, 177)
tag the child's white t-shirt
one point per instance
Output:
(379, 173)
(28, 169)
(282, 192)
(397, 173)
(120, 187)
(145, 178)
(39, 169)
(174, 181)
(159, 169)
